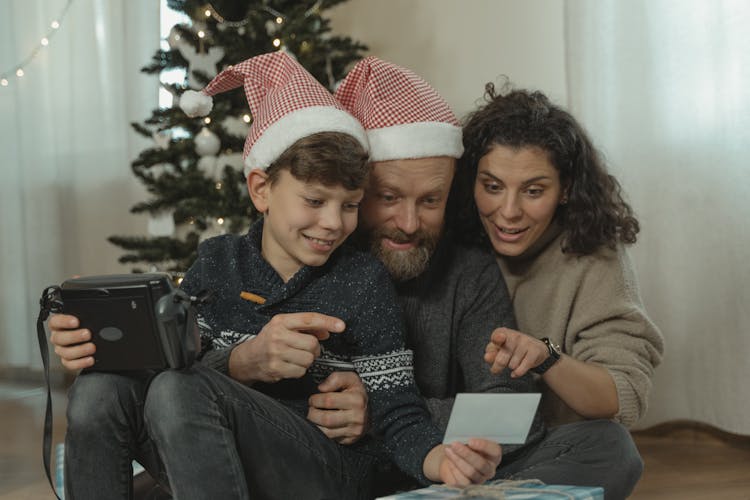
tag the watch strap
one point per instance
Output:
(554, 356)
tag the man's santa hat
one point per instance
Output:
(403, 115)
(286, 103)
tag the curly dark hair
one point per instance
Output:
(596, 213)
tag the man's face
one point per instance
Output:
(403, 211)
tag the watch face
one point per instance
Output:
(555, 348)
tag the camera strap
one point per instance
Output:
(48, 303)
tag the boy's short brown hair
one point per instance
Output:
(330, 158)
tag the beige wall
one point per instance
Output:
(459, 45)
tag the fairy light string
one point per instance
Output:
(18, 70)
(210, 11)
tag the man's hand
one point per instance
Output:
(515, 350)
(340, 408)
(285, 347)
(72, 344)
(459, 464)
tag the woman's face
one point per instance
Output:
(517, 192)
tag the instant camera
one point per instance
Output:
(137, 321)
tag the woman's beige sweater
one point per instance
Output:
(589, 305)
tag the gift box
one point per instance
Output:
(508, 490)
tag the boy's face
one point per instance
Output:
(304, 222)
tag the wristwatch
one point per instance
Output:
(554, 356)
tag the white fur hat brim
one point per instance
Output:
(415, 140)
(293, 126)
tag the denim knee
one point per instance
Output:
(98, 400)
(171, 400)
(630, 460)
(617, 448)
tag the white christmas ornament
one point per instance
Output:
(235, 126)
(271, 28)
(161, 224)
(160, 169)
(203, 62)
(208, 165)
(234, 160)
(206, 143)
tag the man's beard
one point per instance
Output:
(404, 265)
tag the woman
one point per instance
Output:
(533, 187)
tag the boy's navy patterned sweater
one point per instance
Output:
(352, 286)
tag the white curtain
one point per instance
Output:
(664, 88)
(66, 145)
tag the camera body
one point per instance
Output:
(137, 321)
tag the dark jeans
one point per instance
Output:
(215, 438)
(589, 453)
(105, 433)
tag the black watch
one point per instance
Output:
(554, 355)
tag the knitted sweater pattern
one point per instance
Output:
(352, 286)
(590, 306)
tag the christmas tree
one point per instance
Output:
(194, 170)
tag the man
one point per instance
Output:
(452, 297)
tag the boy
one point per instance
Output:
(290, 306)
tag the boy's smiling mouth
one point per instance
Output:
(318, 243)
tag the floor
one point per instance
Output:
(22, 409)
(682, 462)
(688, 463)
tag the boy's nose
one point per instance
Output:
(331, 219)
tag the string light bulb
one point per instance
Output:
(276, 42)
(44, 41)
(201, 34)
(208, 13)
(220, 221)
(207, 120)
(246, 118)
(279, 20)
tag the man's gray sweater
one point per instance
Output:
(450, 312)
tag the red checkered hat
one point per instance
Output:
(286, 103)
(403, 115)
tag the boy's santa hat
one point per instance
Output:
(403, 115)
(286, 103)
